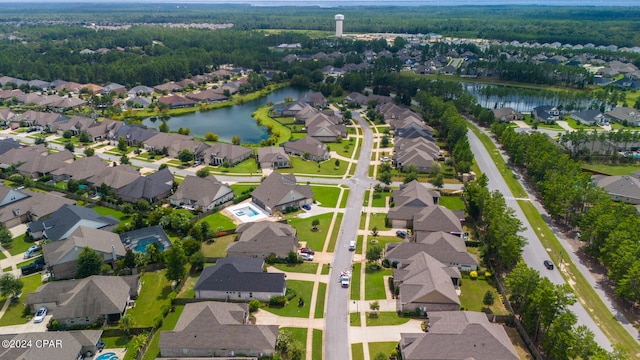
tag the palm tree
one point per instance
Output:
(125, 323)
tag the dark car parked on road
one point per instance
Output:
(34, 267)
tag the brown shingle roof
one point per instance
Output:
(280, 189)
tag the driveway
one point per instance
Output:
(26, 328)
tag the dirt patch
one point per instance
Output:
(518, 343)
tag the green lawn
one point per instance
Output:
(218, 221)
(303, 289)
(25, 263)
(298, 334)
(15, 312)
(316, 347)
(314, 239)
(365, 201)
(154, 292)
(114, 342)
(305, 267)
(376, 219)
(380, 199)
(247, 166)
(344, 148)
(322, 291)
(385, 318)
(217, 247)
(382, 347)
(473, 292)
(18, 246)
(238, 188)
(336, 232)
(357, 352)
(345, 197)
(327, 196)
(167, 325)
(325, 269)
(375, 289)
(119, 215)
(354, 319)
(611, 169)
(328, 167)
(382, 241)
(452, 202)
(359, 244)
(355, 281)
(262, 115)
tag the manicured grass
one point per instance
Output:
(380, 199)
(496, 157)
(365, 202)
(382, 347)
(378, 220)
(452, 202)
(473, 292)
(328, 167)
(359, 244)
(298, 334)
(345, 197)
(25, 263)
(114, 342)
(357, 352)
(314, 239)
(344, 148)
(154, 292)
(119, 215)
(584, 292)
(153, 351)
(303, 289)
(375, 289)
(336, 232)
(15, 312)
(382, 241)
(247, 166)
(263, 118)
(319, 311)
(18, 246)
(385, 318)
(305, 267)
(239, 188)
(354, 319)
(355, 281)
(217, 247)
(218, 221)
(316, 345)
(7, 269)
(611, 169)
(327, 196)
(325, 269)
(186, 289)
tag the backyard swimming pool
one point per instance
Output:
(247, 212)
(142, 244)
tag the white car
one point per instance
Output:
(306, 256)
(40, 315)
(384, 159)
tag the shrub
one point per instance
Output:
(290, 294)
(473, 274)
(488, 299)
(277, 301)
(254, 305)
(157, 322)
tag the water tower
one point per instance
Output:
(339, 20)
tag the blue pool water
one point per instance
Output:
(141, 246)
(107, 356)
(247, 211)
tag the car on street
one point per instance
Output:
(309, 251)
(548, 264)
(307, 257)
(402, 234)
(31, 251)
(40, 315)
(34, 267)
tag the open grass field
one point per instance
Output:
(15, 312)
(322, 292)
(303, 290)
(154, 292)
(314, 239)
(263, 118)
(217, 247)
(218, 221)
(326, 196)
(305, 267)
(375, 289)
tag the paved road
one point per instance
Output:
(337, 317)
(534, 253)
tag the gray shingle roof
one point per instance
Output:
(115, 177)
(148, 187)
(72, 345)
(82, 168)
(424, 280)
(306, 144)
(66, 219)
(436, 218)
(280, 189)
(621, 186)
(444, 247)
(58, 252)
(201, 191)
(410, 199)
(227, 277)
(263, 238)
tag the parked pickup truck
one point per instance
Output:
(34, 267)
(345, 278)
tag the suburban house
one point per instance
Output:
(201, 193)
(624, 188)
(19, 206)
(287, 110)
(86, 301)
(17, 156)
(167, 87)
(447, 248)
(39, 166)
(115, 177)
(239, 279)
(153, 187)
(140, 90)
(425, 283)
(176, 101)
(8, 143)
(308, 148)
(546, 114)
(315, 99)
(458, 335)
(61, 256)
(436, 218)
(326, 128)
(409, 200)
(273, 158)
(624, 115)
(64, 221)
(234, 336)
(82, 168)
(279, 192)
(138, 240)
(261, 239)
(133, 134)
(589, 117)
(306, 112)
(506, 114)
(113, 87)
(76, 344)
(218, 153)
(417, 156)
(206, 96)
(174, 143)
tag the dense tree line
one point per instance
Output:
(598, 25)
(610, 230)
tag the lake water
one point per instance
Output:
(230, 121)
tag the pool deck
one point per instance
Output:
(244, 218)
